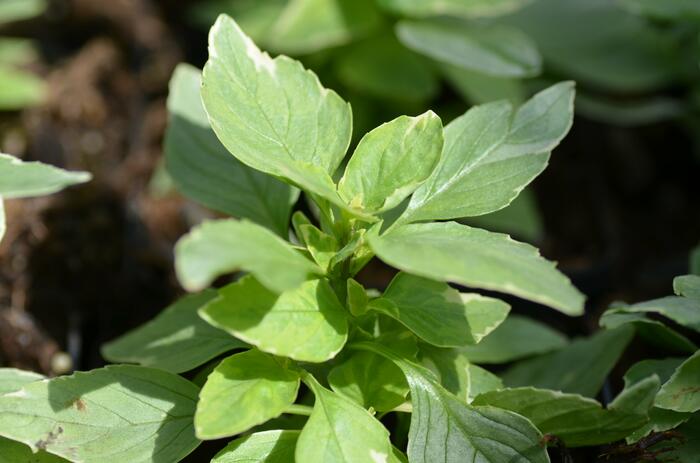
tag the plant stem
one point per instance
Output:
(296, 409)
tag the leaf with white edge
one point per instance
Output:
(579, 368)
(257, 104)
(682, 310)
(445, 428)
(19, 179)
(438, 313)
(468, 140)
(486, 260)
(307, 26)
(687, 286)
(459, 8)
(516, 338)
(307, 323)
(494, 50)
(218, 247)
(652, 331)
(477, 176)
(12, 379)
(339, 430)
(576, 420)
(659, 419)
(177, 340)
(369, 380)
(261, 447)
(244, 390)
(16, 452)
(116, 413)
(205, 171)
(681, 393)
(391, 161)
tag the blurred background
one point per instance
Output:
(83, 85)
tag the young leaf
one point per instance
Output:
(244, 390)
(579, 368)
(117, 413)
(205, 171)
(687, 286)
(652, 331)
(444, 428)
(681, 393)
(340, 431)
(260, 447)
(369, 380)
(273, 106)
(16, 452)
(307, 323)
(468, 140)
(495, 171)
(391, 161)
(19, 179)
(357, 298)
(576, 420)
(682, 310)
(12, 379)
(493, 50)
(516, 338)
(177, 340)
(487, 260)
(439, 314)
(218, 247)
(321, 246)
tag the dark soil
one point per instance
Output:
(83, 266)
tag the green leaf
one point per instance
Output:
(439, 314)
(459, 8)
(244, 390)
(205, 171)
(218, 247)
(487, 260)
(357, 298)
(482, 381)
(687, 286)
(255, 17)
(645, 58)
(681, 393)
(369, 380)
(321, 246)
(177, 340)
(391, 161)
(12, 379)
(516, 338)
(652, 331)
(488, 160)
(479, 88)
(383, 68)
(450, 367)
(579, 368)
(521, 219)
(659, 419)
(17, 10)
(260, 447)
(117, 413)
(668, 9)
(19, 89)
(20, 179)
(444, 428)
(682, 310)
(339, 430)
(274, 106)
(688, 449)
(307, 323)
(16, 452)
(494, 50)
(306, 26)
(694, 263)
(576, 420)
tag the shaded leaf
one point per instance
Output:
(16, 452)
(307, 323)
(652, 331)
(177, 340)
(459, 8)
(681, 393)
(687, 286)
(217, 247)
(682, 310)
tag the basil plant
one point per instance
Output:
(310, 366)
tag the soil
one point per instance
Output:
(83, 266)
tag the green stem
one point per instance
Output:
(297, 409)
